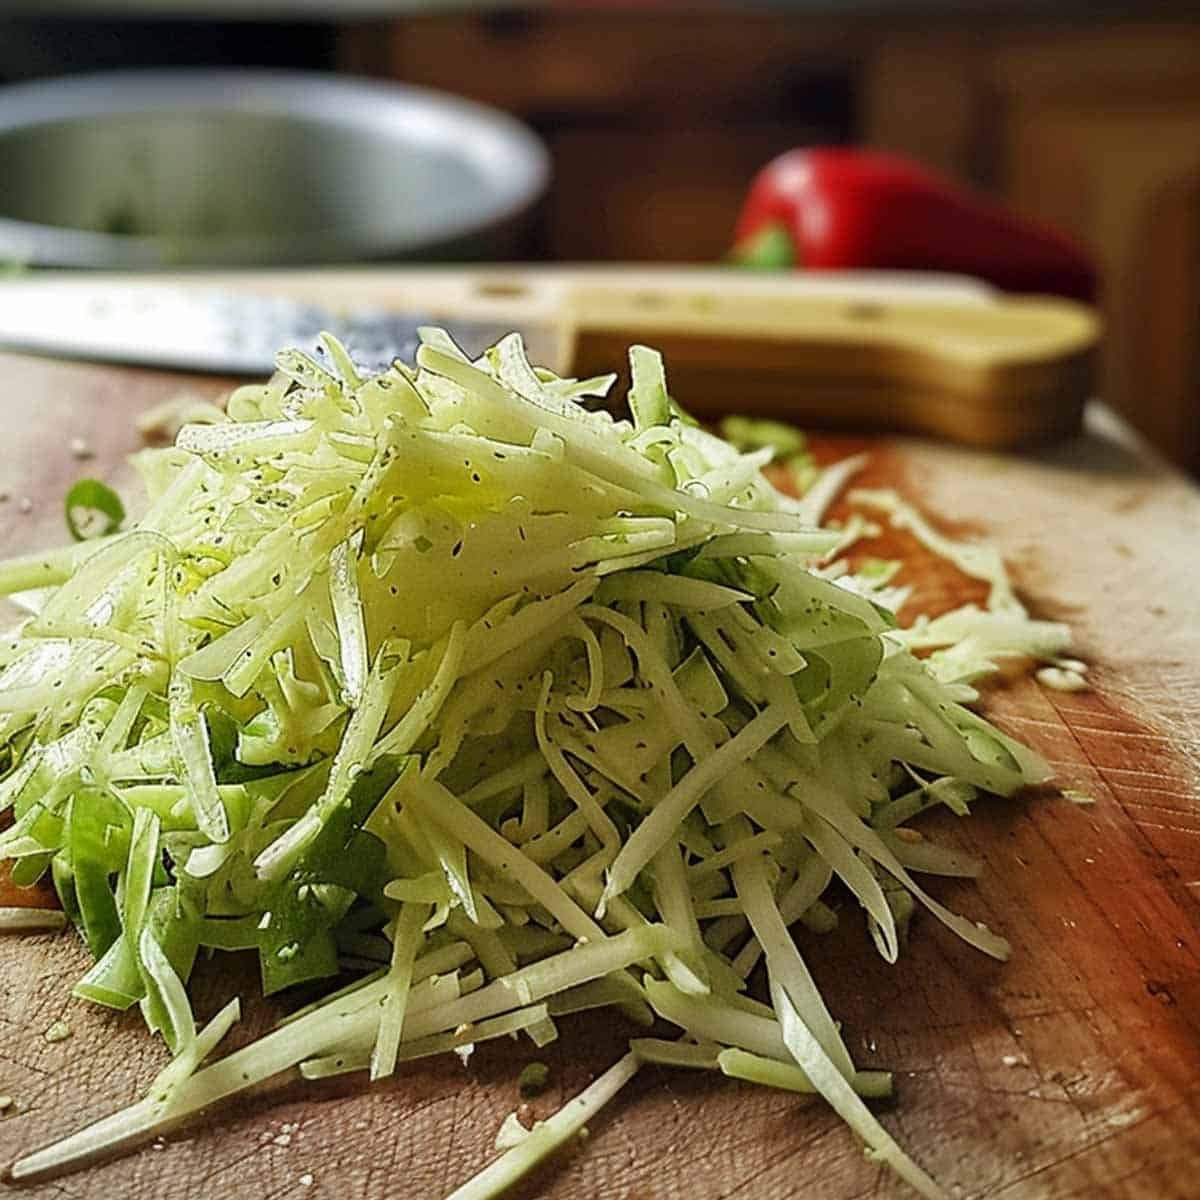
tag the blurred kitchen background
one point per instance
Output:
(657, 115)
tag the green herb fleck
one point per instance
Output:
(89, 496)
(533, 1079)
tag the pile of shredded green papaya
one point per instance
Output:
(487, 707)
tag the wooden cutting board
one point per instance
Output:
(1071, 1071)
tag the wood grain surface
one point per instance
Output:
(1071, 1071)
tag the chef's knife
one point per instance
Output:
(927, 354)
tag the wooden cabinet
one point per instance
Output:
(1098, 131)
(656, 118)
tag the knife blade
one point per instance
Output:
(217, 329)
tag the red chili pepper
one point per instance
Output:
(835, 209)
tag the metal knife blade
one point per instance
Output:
(213, 329)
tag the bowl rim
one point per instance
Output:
(509, 156)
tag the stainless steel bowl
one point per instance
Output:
(149, 169)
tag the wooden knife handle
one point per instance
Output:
(1002, 373)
